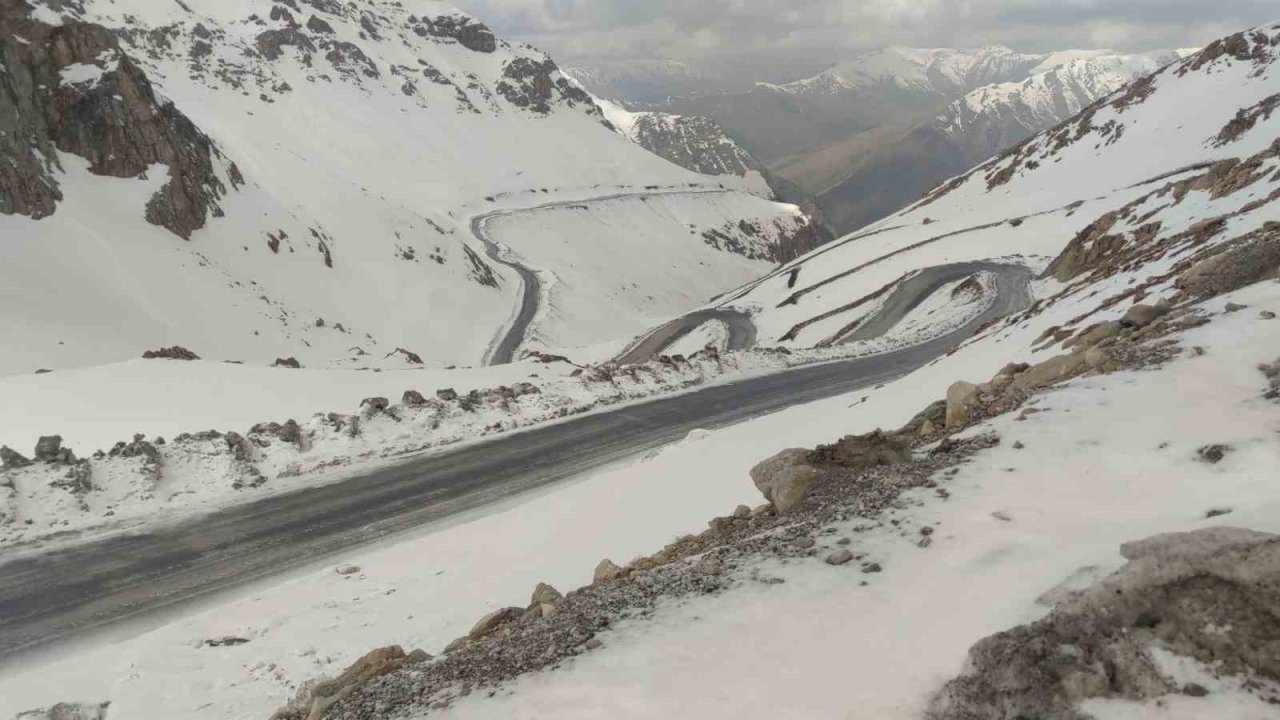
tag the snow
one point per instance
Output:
(900, 637)
(386, 178)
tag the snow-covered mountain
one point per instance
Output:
(260, 180)
(946, 72)
(694, 143)
(1114, 204)
(886, 176)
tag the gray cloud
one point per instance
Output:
(757, 35)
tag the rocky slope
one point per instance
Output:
(874, 181)
(237, 178)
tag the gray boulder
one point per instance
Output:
(862, 452)
(785, 478)
(1140, 316)
(607, 571)
(494, 620)
(11, 459)
(960, 398)
(1176, 593)
(544, 594)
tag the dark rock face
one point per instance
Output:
(1175, 593)
(291, 363)
(532, 85)
(271, 41)
(11, 459)
(695, 143)
(115, 121)
(470, 34)
(177, 352)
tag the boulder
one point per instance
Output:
(839, 557)
(785, 478)
(413, 398)
(862, 452)
(374, 405)
(1243, 265)
(49, 448)
(1140, 316)
(11, 459)
(494, 620)
(176, 352)
(447, 394)
(607, 571)
(545, 594)
(1050, 372)
(373, 665)
(1099, 333)
(68, 711)
(1098, 358)
(961, 396)
(291, 363)
(742, 512)
(1176, 593)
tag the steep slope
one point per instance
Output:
(894, 86)
(877, 178)
(1171, 170)
(272, 179)
(694, 143)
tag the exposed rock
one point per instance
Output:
(271, 42)
(170, 353)
(1050, 372)
(1235, 268)
(535, 85)
(1213, 454)
(544, 594)
(11, 459)
(413, 398)
(116, 122)
(68, 711)
(607, 571)
(785, 478)
(374, 405)
(347, 569)
(839, 557)
(742, 512)
(447, 394)
(472, 35)
(49, 448)
(1140, 316)
(291, 363)
(1175, 593)
(960, 398)
(864, 451)
(494, 620)
(368, 668)
(410, 357)
(1098, 359)
(227, 641)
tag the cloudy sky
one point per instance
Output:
(762, 34)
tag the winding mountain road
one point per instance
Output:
(742, 333)
(61, 594)
(502, 350)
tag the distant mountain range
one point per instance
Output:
(867, 136)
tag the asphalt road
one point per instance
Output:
(507, 342)
(62, 593)
(742, 333)
(1011, 295)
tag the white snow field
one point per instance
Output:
(1109, 459)
(361, 165)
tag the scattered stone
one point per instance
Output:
(1017, 445)
(1194, 690)
(1218, 512)
(447, 394)
(926, 530)
(413, 398)
(1002, 516)
(742, 512)
(374, 405)
(839, 557)
(68, 711)
(291, 363)
(228, 641)
(1213, 454)
(418, 657)
(803, 543)
(494, 620)
(607, 571)
(593, 644)
(1140, 316)
(176, 352)
(1235, 307)
(785, 478)
(347, 569)
(1267, 315)
(872, 568)
(925, 541)
(374, 665)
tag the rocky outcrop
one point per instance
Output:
(176, 352)
(470, 34)
(1177, 593)
(785, 478)
(1245, 264)
(863, 452)
(71, 88)
(537, 85)
(11, 459)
